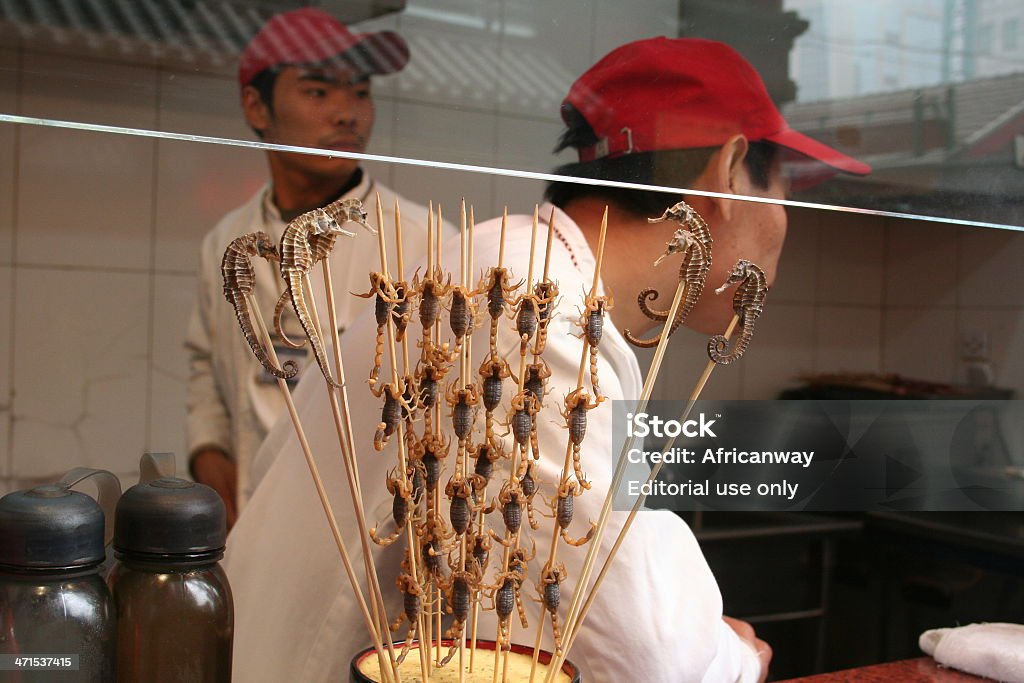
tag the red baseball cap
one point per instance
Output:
(663, 94)
(309, 36)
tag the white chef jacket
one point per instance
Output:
(658, 616)
(232, 401)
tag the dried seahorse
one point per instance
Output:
(239, 282)
(683, 214)
(307, 240)
(748, 303)
(693, 271)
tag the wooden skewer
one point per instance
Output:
(463, 371)
(481, 517)
(694, 396)
(321, 491)
(346, 440)
(572, 619)
(437, 426)
(567, 463)
(399, 432)
(506, 554)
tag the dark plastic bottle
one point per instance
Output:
(53, 601)
(173, 602)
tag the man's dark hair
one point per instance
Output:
(264, 84)
(678, 167)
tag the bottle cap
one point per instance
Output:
(170, 516)
(50, 527)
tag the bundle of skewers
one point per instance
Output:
(437, 397)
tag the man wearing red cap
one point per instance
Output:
(683, 113)
(305, 82)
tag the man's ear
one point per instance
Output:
(256, 112)
(724, 173)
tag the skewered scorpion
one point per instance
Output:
(430, 370)
(536, 374)
(546, 292)
(498, 286)
(748, 304)
(462, 312)
(430, 451)
(694, 242)
(549, 588)
(458, 592)
(459, 490)
(402, 489)
(527, 309)
(412, 604)
(462, 402)
(591, 320)
(306, 241)
(390, 414)
(387, 297)
(523, 425)
(528, 483)
(505, 593)
(493, 371)
(575, 414)
(430, 291)
(511, 499)
(564, 506)
(436, 537)
(239, 282)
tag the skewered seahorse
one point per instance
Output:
(748, 303)
(694, 241)
(306, 241)
(239, 282)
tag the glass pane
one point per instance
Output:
(930, 101)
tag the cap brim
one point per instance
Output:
(809, 147)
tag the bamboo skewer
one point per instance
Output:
(343, 427)
(572, 619)
(399, 432)
(437, 426)
(694, 396)
(567, 463)
(506, 554)
(321, 491)
(481, 519)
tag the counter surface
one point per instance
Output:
(923, 670)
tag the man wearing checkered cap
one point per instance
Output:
(305, 82)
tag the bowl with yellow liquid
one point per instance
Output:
(365, 667)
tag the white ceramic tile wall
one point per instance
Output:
(80, 368)
(424, 131)
(920, 343)
(196, 184)
(6, 325)
(8, 148)
(685, 361)
(61, 87)
(921, 259)
(173, 299)
(782, 349)
(990, 272)
(1005, 329)
(830, 310)
(200, 104)
(851, 261)
(6, 365)
(848, 339)
(796, 280)
(528, 144)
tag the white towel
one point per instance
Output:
(995, 651)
